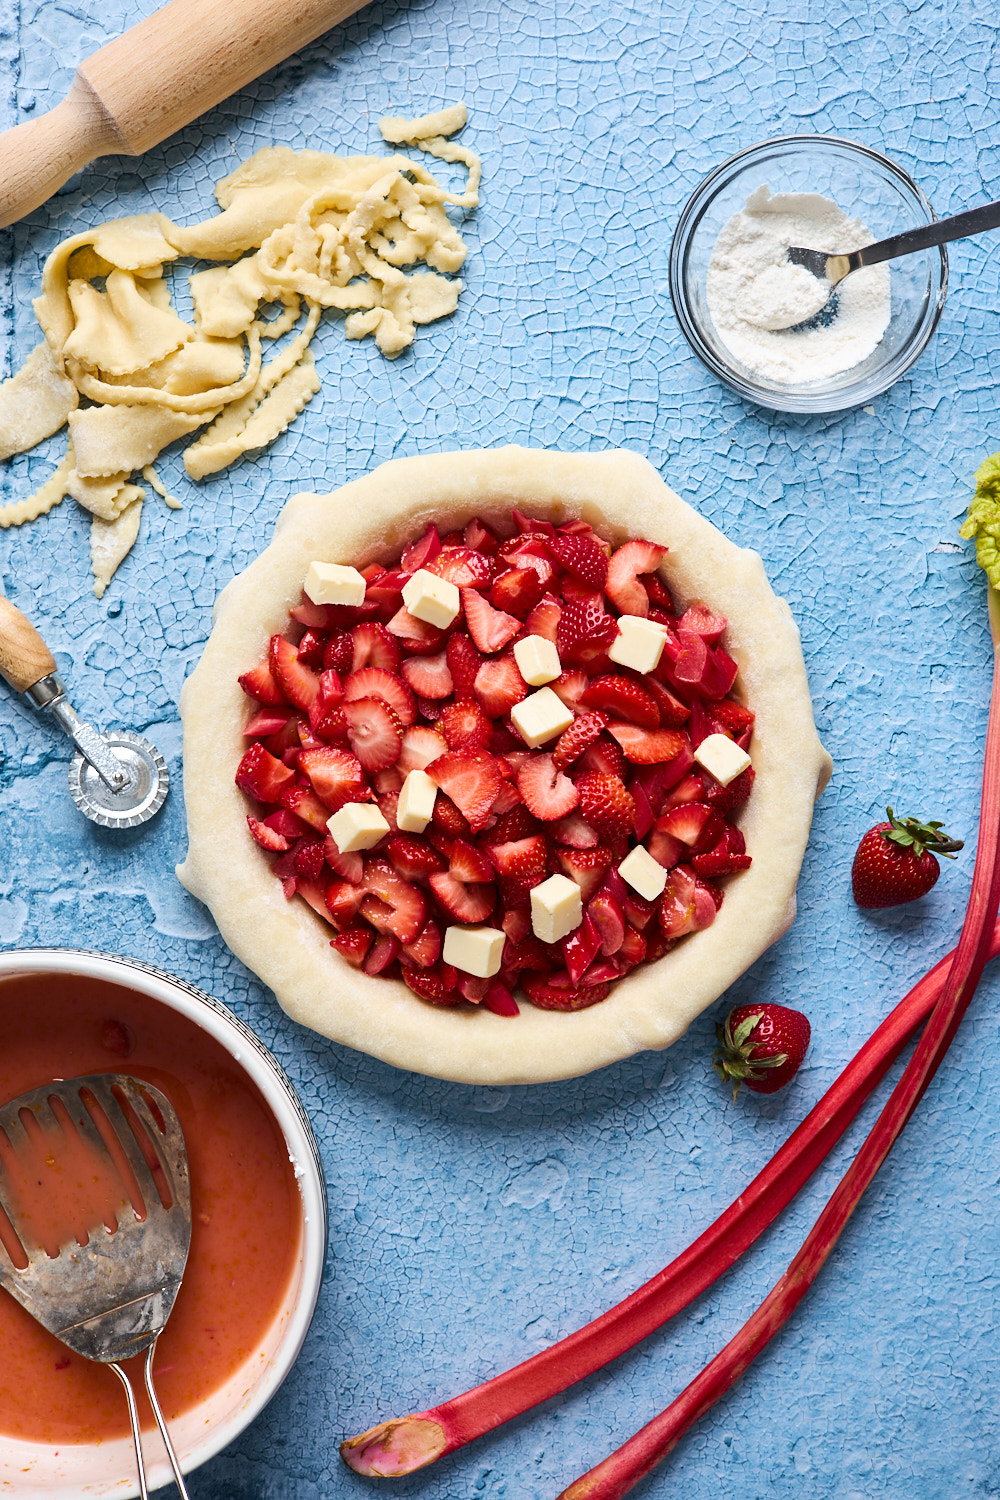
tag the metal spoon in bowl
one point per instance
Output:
(832, 268)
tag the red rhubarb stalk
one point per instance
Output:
(403, 1444)
(630, 1463)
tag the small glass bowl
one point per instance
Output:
(864, 184)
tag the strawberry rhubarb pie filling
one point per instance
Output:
(503, 762)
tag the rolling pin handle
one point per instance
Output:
(36, 158)
(25, 660)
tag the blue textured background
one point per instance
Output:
(470, 1227)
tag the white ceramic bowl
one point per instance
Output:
(73, 1470)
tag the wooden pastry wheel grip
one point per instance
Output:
(182, 60)
(24, 657)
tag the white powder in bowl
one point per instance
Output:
(754, 293)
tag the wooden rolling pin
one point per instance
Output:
(182, 60)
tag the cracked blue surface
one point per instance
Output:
(472, 1227)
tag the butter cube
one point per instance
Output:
(331, 583)
(476, 950)
(638, 644)
(556, 908)
(722, 757)
(416, 802)
(643, 873)
(540, 717)
(357, 825)
(537, 660)
(431, 599)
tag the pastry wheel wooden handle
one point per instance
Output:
(24, 657)
(182, 60)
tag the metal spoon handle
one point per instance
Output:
(133, 1416)
(941, 232)
(161, 1424)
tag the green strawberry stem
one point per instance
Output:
(630, 1463)
(734, 1060)
(911, 833)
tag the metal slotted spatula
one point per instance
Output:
(116, 779)
(97, 1255)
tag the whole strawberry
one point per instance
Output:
(761, 1046)
(895, 861)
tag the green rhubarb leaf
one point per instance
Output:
(983, 520)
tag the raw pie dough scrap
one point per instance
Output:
(288, 945)
(300, 231)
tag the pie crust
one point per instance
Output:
(288, 945)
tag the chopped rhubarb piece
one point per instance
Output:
(582, 556)
(633, 948)
(645, 815)
(267, 721)
(261, 776)
(462, 567)
(286, 823)
(606, 805)
(266, 837)
(557, 993)
(622, 698)
(517, 591)
(548, 794)
(479, 537)
(259, 683)
(353, 945)
(647, 746)
(500, 1000)
(608, 917)
(385, 594)
(373, 731)
(490, 628)
(336, 776)
(574, 741)
(585, 631)
(384, 950)
(721, 674)
(529, 524)
(465, 727)
(374, 682)
(471, 781)
(299, 683)
(329, 697)
(700, 620)
(587, 867)
(429, 676)
(419, 553)
(623, 587)
(580, 949)
(373, 646)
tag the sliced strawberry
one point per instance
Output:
(638, 910)
(343, 902)
(547, 793)
(556, 992)
(527, 953)
(299, 683)
(465, 727)
(420, 746)
(700, 620)
(604, 755)
(464, 662)
(622, 698)
(645, 813)
(267, 721)
(694, 823)
(479, 537)
(727, 857)
(338, 654)
(413, 857)
(673, 713)
(336, 776)
(517, 592)
(569, 687)
(521, 865)
(623, 587)
(575, 832)
(448, 821)
(375, 682)
(373, 731)
(421, 552)
(386, 593)
(544, 619)
(384, 951)
(304, 803)
(507, 799)
(286, 823)
(354, 944)
(489, 628)
(580, 949)
(608, 917)
(529, 524)
(587, 867)
(516, 823)
(389, 780)
(471, 781)
(309, 860)
(416, 637)
(732, 718)
(689, 789)
(726, 799)
(462, 567)
(436, 985)
(529, 552)
(266, 837)
(516, 923)
(373, 646)
(687, 905)
(425, 949)
(499, 686)
(606, 805)
(500, 1000)
(350, 867)
(573, 741)
(428, 676)
(585, 631)
(582, 556)
(647, 746)
(657, 591)
(259, 683)
(261, 776)
(330, 695)
(406, 903)
(465, 903)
